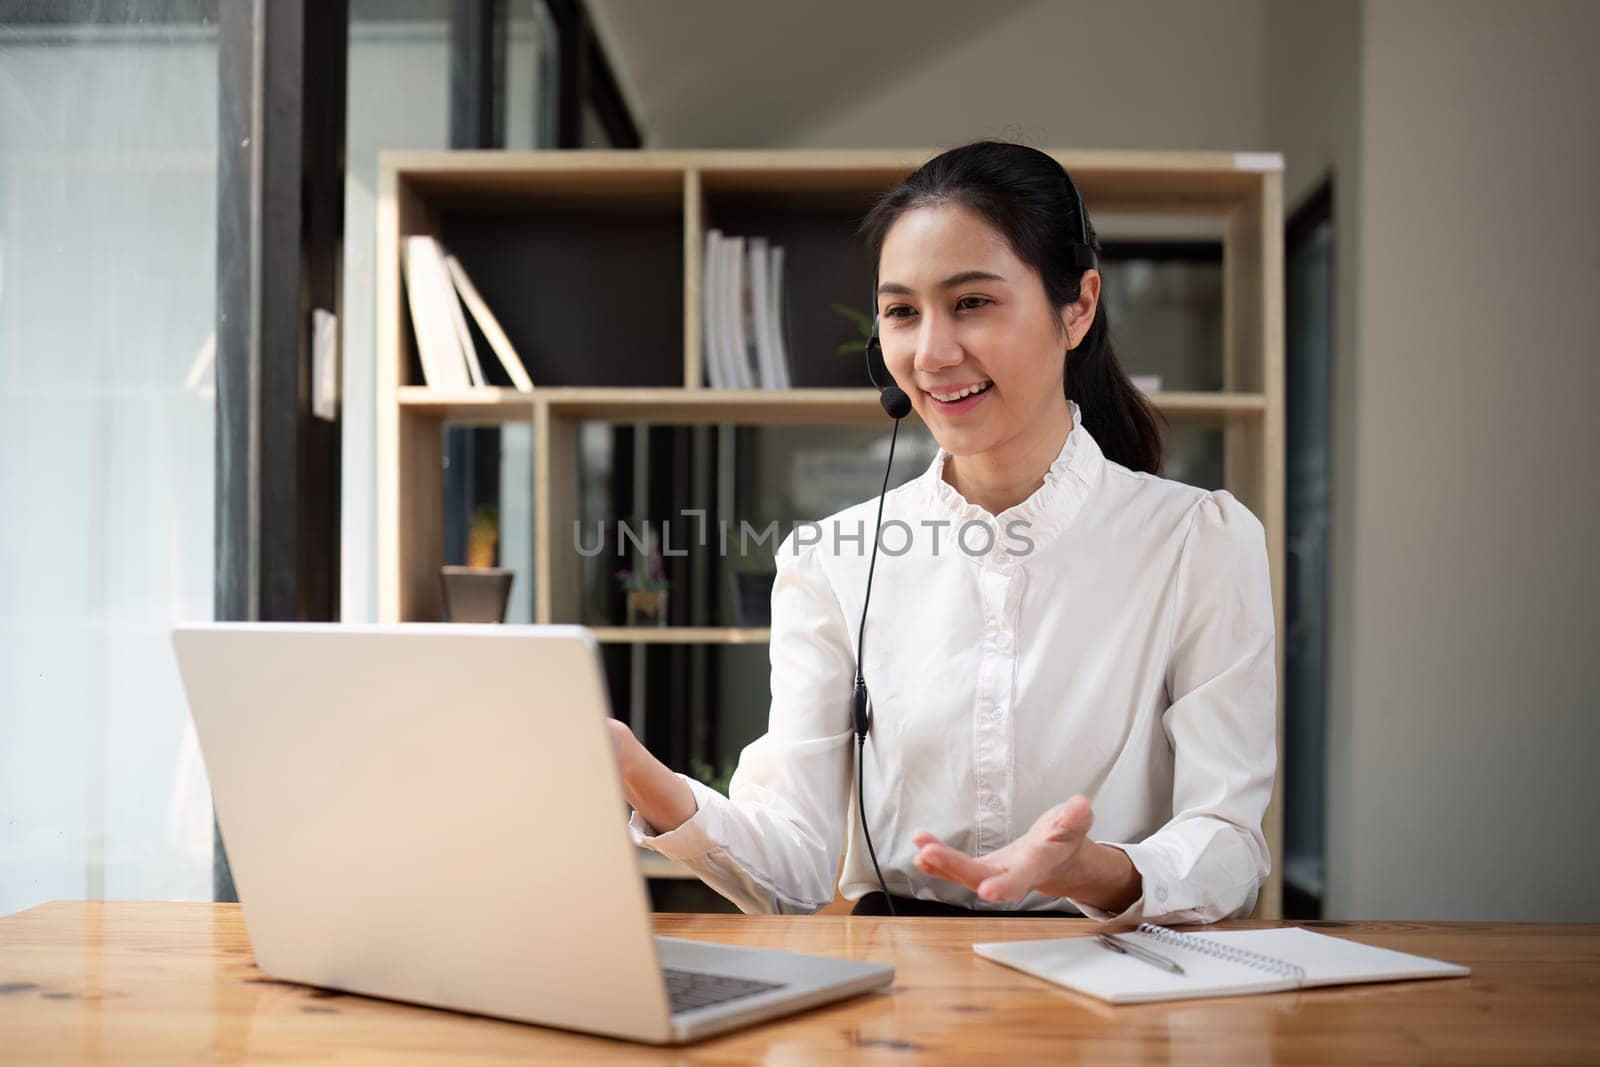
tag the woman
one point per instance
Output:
(1067, 642)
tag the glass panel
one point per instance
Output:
(398, 90)
(1193, 454)
(496, 487)
(1310, 266)
(1165, 304)
(108, 178)
(530, 76)
(753, 484)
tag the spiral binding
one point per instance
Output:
(1224, 952)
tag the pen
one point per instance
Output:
(1139, 952)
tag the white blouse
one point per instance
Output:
(1111, 635)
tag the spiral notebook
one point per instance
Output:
(1223, 964)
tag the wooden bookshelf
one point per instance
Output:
(682, 635)
(687, 407)
(592, 261)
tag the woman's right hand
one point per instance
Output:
(660, 797)
(625, 747)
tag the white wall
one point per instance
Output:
(1135, 74)
(1472, 696)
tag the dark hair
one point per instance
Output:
(1025, 195)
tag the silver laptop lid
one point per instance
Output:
(429, 813)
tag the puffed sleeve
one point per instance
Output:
(1209, 861)
(773, 844)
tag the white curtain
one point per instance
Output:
(107, 413)
(107, 294)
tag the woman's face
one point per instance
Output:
(960, 312)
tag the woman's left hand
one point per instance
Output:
(1055, 857)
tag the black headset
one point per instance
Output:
(897, 405)
(1082, 253)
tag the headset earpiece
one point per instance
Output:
(896, 404)
(1083, 256)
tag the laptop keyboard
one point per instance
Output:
(688, 990)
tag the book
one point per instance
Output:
(458, 322)
(758, 292)
(719, 327)
(1221, 964)
(735, 311)
(430, 293)
(711, 305)
(775, 313)
(743, 343)
(503, 349)
(723, 362)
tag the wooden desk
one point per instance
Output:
(175, 983)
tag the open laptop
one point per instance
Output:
(432, 813)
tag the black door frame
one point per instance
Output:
(281, 69)
(1309, 399)
(280, 239)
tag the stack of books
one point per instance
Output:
(745, 343)
(437, 287)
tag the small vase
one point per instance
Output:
(475, 594)
(647, 608)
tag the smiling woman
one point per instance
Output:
(1103, 662)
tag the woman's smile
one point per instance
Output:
(957, 400)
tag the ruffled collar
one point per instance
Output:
(1072, 475)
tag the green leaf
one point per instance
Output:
(710, 776)
(863, 322)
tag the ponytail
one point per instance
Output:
(1116, 413)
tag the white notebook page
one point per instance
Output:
(1335, 960)
(1081, 963)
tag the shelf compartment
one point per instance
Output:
(489, 406)
(735, 406)
(495, 180)
(655, 865)
(563, 281)
(682, 635)
(1212, 183)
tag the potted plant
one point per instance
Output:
(479, 591)
(646, 591)
(482, 537)
(863, 324)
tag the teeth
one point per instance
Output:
(950, 397)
